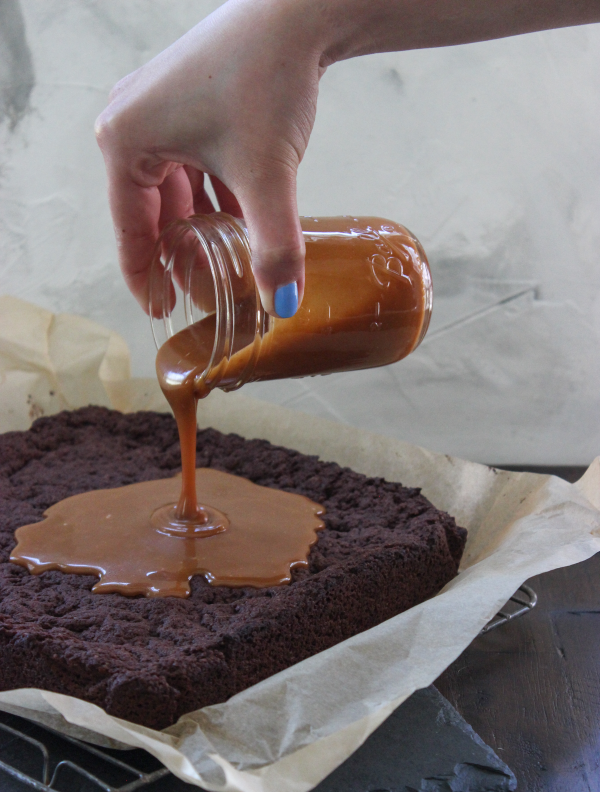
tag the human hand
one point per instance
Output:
(234, 98)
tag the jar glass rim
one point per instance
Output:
(225, 249)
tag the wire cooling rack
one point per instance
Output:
(33, 757)
(522, 601)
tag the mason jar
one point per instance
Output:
(367, 300)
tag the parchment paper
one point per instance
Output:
(291, 730)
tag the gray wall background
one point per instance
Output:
(490, 153)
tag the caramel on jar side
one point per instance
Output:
(363, 306)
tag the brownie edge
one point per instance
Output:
(384, 548)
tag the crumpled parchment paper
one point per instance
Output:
(291, 730)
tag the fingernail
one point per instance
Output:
(286, 300)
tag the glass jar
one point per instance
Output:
(367, 300)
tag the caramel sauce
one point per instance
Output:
(109, 533)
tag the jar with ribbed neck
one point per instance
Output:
(367, 300)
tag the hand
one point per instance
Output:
(234, 98)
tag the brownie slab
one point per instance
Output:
(384, 549)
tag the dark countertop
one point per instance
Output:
(531, 688)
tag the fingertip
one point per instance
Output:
(280, 282)
(139, 285)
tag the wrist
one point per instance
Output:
(323, 31)
(336, 30)
(343, 29)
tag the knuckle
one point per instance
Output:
(116, 121)
(106, 128)
(101, 128)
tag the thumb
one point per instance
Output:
(270, 210)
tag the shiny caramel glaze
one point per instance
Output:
(109, 533)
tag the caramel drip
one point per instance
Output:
(109, 533)
(177, 365)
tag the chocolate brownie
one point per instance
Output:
(384, 549)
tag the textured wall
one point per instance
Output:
(490, 153)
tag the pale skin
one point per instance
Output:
(235, 99)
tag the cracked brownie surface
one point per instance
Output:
(384, 549)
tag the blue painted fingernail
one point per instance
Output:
(286, 300)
